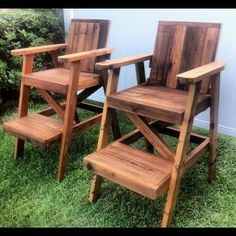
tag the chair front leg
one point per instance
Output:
(23, 101)
(180, 156)
(68, 119)
(104, 134)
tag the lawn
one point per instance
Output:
(31, 197)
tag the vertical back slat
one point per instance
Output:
(84, 35)
(209, 52)
(181, 46)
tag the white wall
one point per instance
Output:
(133, 31)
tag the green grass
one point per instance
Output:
(31, 197)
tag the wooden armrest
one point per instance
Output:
(200, 72)
(33, 50)
(112, 64)
(82, 55)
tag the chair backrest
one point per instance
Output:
(181, 46)
(84, 35)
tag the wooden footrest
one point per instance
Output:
(35, 128)
(141, 172)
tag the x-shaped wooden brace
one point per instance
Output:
(151, 135)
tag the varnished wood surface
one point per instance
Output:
(182, 46)
(154, 101)
(36, 128)
(143, 173)
(57, 80)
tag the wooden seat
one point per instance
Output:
(74, 76)
(155, 102)
(57, 80)
(184, 81)
(38, 129)
(141, 172)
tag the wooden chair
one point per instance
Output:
(74, 71)
(184, 81)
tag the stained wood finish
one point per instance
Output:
(215, 90)
(156, 102)
(182, 46)
(84, 55)
(152, 136)
(141, 172)
(104, 134)
(68, 119)
(180, 156)
(199, 73)
(35, 128)
(86, 44)
(182, 60)
(39, 49)
(85, 35)
(57, 80)
(56, 106)
(117, 63)
(27, 67)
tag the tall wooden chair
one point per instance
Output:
(184, 81)
(73, 72)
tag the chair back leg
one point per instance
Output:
(215, 87)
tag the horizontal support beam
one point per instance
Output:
(49, 111)
(194, 156)
(136, 134)
(88, 123)
(194, 138)
(90, 107)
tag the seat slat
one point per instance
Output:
(155, 101)
(57, 80)
(139, 171)
(36, 128)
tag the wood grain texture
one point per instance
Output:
(85, 35)
(57, 80)
(116, 63)
(201, 72)
(84, 55)
(68, 119)
(34, 50)
(35, 128)
(104, 133)
(139, 171)
(181, 153)
(155, 101)
(214, 110)
(27, 67)
(182, 46)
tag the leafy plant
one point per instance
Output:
(20, 29)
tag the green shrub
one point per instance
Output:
(25, 28)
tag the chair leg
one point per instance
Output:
(95, 189)
(104, 134)
(19, 148)
(68, 120)
(149, 146)
(171, 201)
(181, 152)
(115, 125)
(103, 140)
(23, 109)
(215, 84)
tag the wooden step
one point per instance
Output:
(35, 128)
(141, 172)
